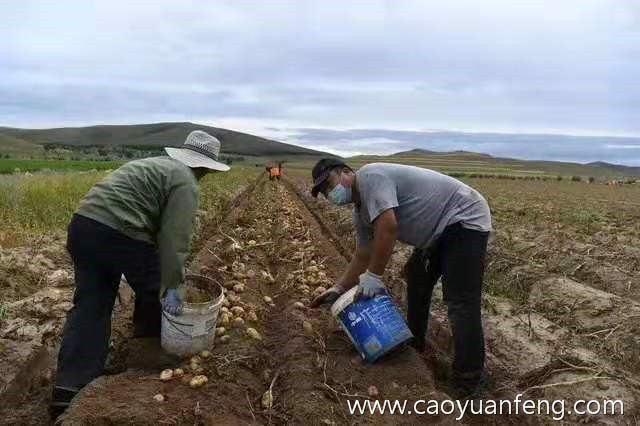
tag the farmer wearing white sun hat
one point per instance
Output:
(138, 222)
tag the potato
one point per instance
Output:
(373, 391)
(267, 299)
(224, 319)
(237, 311)
(224, 310)
(253, 333)
(178, 372)
(307, 327)
(251, 316)
(319, 290)
(220, 331)
(159, 398)
(205, 354)
(198, 381)
(298, 305)
(225, 339)
(238, 322)
(166, 375)
(238, 288)
(267, 400)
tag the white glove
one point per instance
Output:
(370, 285)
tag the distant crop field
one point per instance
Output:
(44, 202)
(11, 166)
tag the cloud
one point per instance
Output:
(528, 66)
(524, 146)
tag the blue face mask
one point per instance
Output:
(340, 195)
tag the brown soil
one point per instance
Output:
(276, 249)
(551, 331)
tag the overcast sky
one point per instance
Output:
(348, 76)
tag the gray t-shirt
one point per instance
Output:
(425, 202)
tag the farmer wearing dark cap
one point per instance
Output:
(138, 222)
(447, 223)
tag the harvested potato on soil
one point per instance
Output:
(220, 331)
(251, 316)
(224, 319)
(205, 354)
(373, 391)
(159, 397)
(267, 299)
(225, 339)
(298, 305)
(237, 311)
(267, 400)
(238, 322)
(198, 381)
(238, 288)
(178, 372)
(307, 327)
(253, 333)
(166, 375)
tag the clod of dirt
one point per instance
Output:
(159, 398)
(307, 327)
(220, 331)
(251, 316)
(253, 333)
(198, 381)
(238, 322)
(166, 375)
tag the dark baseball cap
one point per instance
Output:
(321, 171)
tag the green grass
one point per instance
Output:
(44, 202)
(14, 165)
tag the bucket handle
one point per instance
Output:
(173, 324)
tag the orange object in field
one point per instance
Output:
(274, 172)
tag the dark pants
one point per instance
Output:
(459, 257)
(100, 256)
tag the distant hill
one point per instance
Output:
(630, 170)
(478, 163)
(420, 151)
(158, 134)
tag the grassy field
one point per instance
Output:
(44, 202)
(479, 165)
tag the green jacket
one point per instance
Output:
(152, 200)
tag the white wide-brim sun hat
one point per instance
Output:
(200, 149)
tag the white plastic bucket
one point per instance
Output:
(193, 331)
